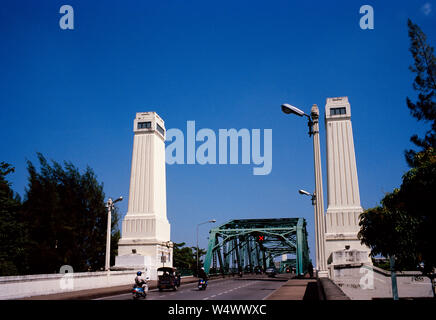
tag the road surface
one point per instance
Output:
(245, 288)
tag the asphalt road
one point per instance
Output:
(245, 288)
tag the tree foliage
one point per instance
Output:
(186, 257)
(390, 231)
(66, 218)
(404, 224)
(416, 198)
(424, 109)
(12, 232)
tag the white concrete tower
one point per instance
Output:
(146, 230)
(342, 217)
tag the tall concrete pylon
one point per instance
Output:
(145, 238)
(343, 198)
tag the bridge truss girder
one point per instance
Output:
(235, 245)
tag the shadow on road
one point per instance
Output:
(263, 279)
(280, 278)
(311, 292)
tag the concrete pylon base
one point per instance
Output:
(322, 274)
(134, 262)
(137, 252)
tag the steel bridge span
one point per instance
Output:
(245, 244)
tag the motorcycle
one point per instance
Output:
(139, 292)
(202, 284)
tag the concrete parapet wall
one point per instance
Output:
(330, 291)
(366, 282)
(14, 287)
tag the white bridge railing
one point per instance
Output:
(14, 287)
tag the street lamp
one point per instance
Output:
(313, 125)
(313, 196)
(288, 109)
(210, 221)
(110, 206)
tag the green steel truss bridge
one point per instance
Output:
(245, 244)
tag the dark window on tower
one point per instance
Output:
(337, 111)
(160, 129)
(144, 125)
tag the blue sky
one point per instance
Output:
(73, 94)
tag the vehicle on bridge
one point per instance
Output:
(168, 278)
(139, 292)
(248, 269)
(202, 284)
(271, 272)
(258, 270)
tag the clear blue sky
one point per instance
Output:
(73, 94)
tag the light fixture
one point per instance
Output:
(288, 109)
(304, 192)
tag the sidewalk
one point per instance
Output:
(296, 289)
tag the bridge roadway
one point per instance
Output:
(234, 288)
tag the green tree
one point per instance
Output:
(185, 258)
(424, 109)
(390, 231)
(416, 198)
(66, 218)
(403, 225)
(12, 232)
(201, 253)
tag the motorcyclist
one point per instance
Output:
(140, 281)
(202, 274)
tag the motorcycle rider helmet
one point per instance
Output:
(139, 273)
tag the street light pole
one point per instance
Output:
(210, 221)
(319, 203)
(313, 123)
(110, 205)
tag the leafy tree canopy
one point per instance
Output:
(424, 109)
(12, 233)
(66, 218)
(403, 225)
(185, 258)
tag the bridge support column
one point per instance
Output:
(299, 255)
(210, 251)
